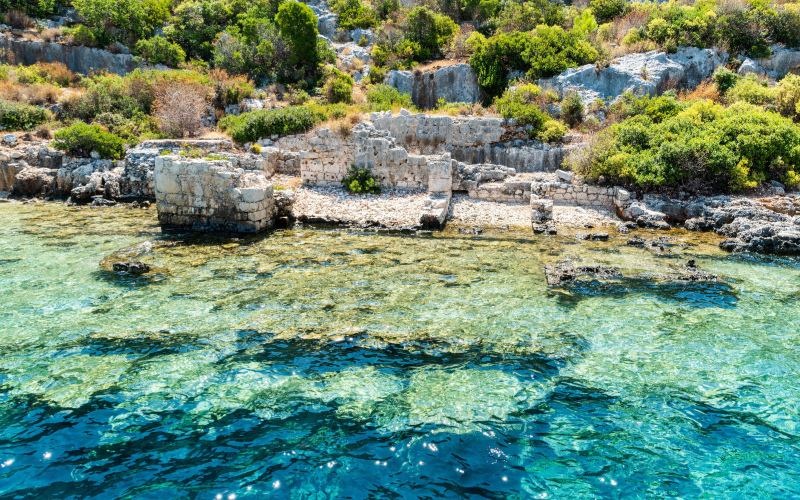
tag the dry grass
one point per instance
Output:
(51, 34)
(706, 90)
(58, 73)
(43, 131)
(19, 20)
(30, 94)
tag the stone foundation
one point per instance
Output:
(582, 195)
(212, 196)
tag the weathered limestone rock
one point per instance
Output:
(211, 196)
(33, 181)
(8, 174)
(457, 83)
(640, 73)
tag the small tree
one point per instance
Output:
(179, 108)
(298, 26)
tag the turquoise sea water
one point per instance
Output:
(326, 364)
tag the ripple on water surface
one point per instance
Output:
(317, 363)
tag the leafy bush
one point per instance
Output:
(360, 181)
(195, 24)
(430, 30)
(377, 75)
(354, 14)
(606, 10)
(339, 88)
(35, 8)
(81, 139)
(82, 35)
(528, 15)
(787, 94)
(751, 91)
(552, 131)
(522, 104)
(159, 50)
(572, 109)
(702, 149)
(18, 116)
(124, 21)
(725, 79)
(249, 127)
(541, 53)
(383, 98)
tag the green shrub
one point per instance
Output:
(725, 79)
(336, 111)
(606, 10)
(159, 50)
(339, 88)
(82, 35)
(377, 75)
(787, 94)
(430, 30)
(81, 139)
(353, 14)
(195, 24)
(361, 181)
(522, 104)
(249, 127)
(541, 53)
(735, 149)
(383, 97)
(751, 91)
(572, 109)
(552, 131)
(18, 116)
(34, 8)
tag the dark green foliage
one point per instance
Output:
(360, 181)
(254, 125)
(124, 21)
(527, 16)
(250, 51)
(339, 88)
(298, 26)
(725, 79)
(606, 10)
(657, 108)
(542, 53)
(18, 116)
(377, 74)
(354, 14)
(159, 50)
(572, 109)
(383, 97)
(81, 139)
(430, 30)
(33, 8)
(195, 24)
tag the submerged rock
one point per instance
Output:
(565, 272)
(134, 267)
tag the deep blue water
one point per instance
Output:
(318, 364)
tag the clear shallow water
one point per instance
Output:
(327, 364)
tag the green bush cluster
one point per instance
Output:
(704, 147)
(339, 88)
(249, 127)
(19, 116)
(360, 181)
(81, 139)
(543, 52)
(522, 104)
(159, 50)
(354, 14)
(33, 8)
(382, 97)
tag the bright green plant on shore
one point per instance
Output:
(523, 105)
(360, 181)
(383, 98)
(82, 139)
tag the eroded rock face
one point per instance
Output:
(645, 73)
(457, 83)
(34, 181)
(204, 195)
(782, 62)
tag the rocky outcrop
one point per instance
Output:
(202, 195)
(781, 62)
(565, 272)
(457, 83)
(646, 73)
(77, 58)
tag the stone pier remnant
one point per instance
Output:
(212, 195)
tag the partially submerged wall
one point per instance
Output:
(212, 195)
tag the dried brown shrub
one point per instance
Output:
(706, 90)
(51, 34)
(43, 131)
(58, 73)
(42, 94)
(19, 20)
(179, 108)
(635, 19)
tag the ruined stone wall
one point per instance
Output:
(212, 195)
(581, 194)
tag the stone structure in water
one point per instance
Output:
(204, 195)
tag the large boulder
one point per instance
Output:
(33, 181)
(457, 83)
(646, 73)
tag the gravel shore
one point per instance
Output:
(392, 208)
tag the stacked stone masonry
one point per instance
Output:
(582, 194)
(212, 195)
